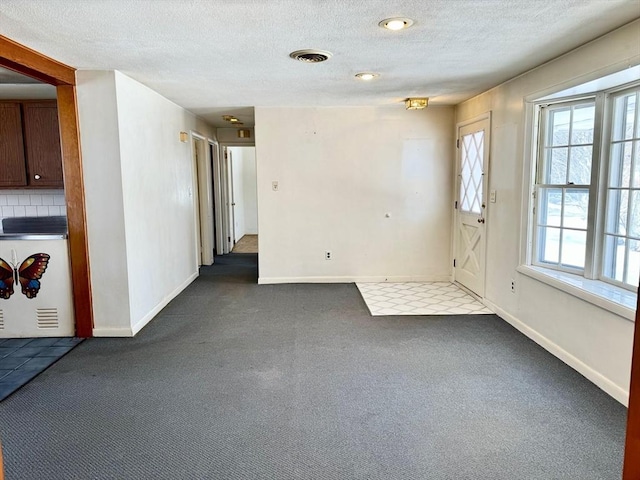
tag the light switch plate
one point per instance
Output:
(492, 196)
(274, 186)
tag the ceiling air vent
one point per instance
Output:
(311, 56)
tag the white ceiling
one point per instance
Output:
(207, 55)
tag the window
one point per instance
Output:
(586, 213)
(621, 261)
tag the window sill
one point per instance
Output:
(609, 297)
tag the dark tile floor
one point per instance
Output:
(21, 359)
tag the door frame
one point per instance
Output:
(28, 62)
(214, 158)
(203, 198)
(222, 214)
(485, 189)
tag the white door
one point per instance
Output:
(472, 182)
(196, 203)
(231, 200)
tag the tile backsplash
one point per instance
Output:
(31, 203)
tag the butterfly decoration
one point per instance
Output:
(28, 274)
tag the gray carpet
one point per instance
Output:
(239, 381)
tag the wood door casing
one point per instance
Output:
(29, 62)
(12, 171)
(631, 469)
(42, 144)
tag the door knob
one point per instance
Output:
(37, 177)
(481, 220)
(233, 204)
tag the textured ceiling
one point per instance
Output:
(210, 54)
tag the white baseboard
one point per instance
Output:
(349, 279)
(139, 325)
(112, 332)
(594, 376)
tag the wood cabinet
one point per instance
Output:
(13, 171)
(30, 152)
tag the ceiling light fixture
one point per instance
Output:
(367, 76)
(395, 24)
(234, 120)
(227, 117)
(416, 103)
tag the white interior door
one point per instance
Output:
(470, 224)
(196, 203)
(231, 200)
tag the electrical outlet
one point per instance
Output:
(327, 255)
(513, 286)
(274, 186)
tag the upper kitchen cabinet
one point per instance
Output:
(30, 153)
(42, 144)
(13, 172)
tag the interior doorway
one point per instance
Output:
(243, 211)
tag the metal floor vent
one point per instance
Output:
(47, 318)
(1, 320)
(311, 56)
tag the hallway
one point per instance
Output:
(233, 380)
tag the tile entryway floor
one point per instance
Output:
(417, 298)
(21, 359)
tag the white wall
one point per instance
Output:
(595, 342)
(340, 171)
(245, 190)
(139, 194)
(100, 143)
(250, 190)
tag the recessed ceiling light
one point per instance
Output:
(397, 23)
(366, 76)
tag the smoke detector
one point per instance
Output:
(311, 56)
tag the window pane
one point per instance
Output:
(471, 172)
(634, 221)
(580, 167)
(559, 126)
(549, 244)
(616, 221)
(620, 165)
(576, 208)
(574, 245)
(583, 121)
(550, 206)
(633, 268)
(624, 117)
(635, 182)
(556, 173)
(614, 257)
